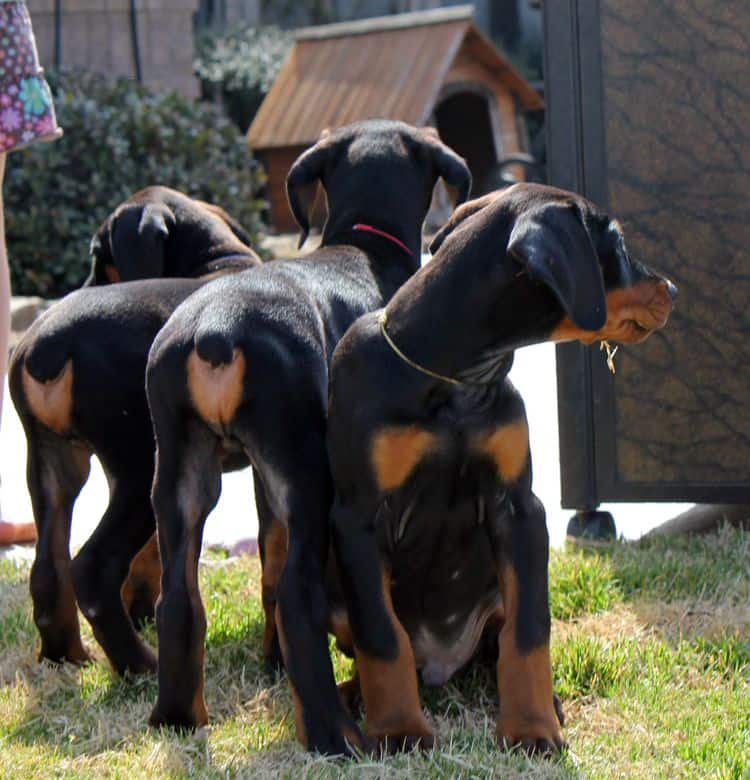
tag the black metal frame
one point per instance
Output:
(577, 160)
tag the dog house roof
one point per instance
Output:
(392, 67)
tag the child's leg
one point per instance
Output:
(28, 103)
(4, 290)
(9, 532)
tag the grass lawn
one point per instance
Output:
(651, 656)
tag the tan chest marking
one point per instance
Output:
(216, 392)
(51, 402)
(508, 447)
(396, 452)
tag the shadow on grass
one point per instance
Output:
(662, 606)
(90, 710)
(714, 568)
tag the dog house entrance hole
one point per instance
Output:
(464, 123)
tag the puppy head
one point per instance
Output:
(379, 171)
(558, 242)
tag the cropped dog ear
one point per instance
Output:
(451, 167)
(156, 220)
(302, 181)
(153, 230)
(100, 257)
(459, 215)
(554, 247)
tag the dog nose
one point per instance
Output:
(671, 289)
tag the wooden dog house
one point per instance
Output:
(432, 67)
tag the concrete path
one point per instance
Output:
(234, 517)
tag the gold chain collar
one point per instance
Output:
(382, 320)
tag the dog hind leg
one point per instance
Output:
(101, 567)
(272, 544)
(56, 472)
(295, 473)
(186, 487)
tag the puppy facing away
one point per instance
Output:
(77, 381)
(243, 364)
(160, 232)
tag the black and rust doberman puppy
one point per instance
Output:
(244, 363)
(77, 380)
(436, 531)
(160, 232)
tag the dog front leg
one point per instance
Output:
(383, 653)
(520, 543)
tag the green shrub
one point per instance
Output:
(119, 137)
(239, 65)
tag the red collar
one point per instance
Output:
(382, 233)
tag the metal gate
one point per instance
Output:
(648, 114)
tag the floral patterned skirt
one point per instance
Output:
(27, 112)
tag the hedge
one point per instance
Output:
(119, 137)
(239, 65)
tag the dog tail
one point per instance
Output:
(213, 346)
(47, 354)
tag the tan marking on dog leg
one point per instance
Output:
(524, 680)
(350, 695)
(217, 391)
(51, 402)
(274, 560)
(338, 625)
(112, 274)
(389, 688)
(396, 452)
(508, 447)
(144, 574)
(299, 720)
(199, 710)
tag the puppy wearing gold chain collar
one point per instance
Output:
(438, 536)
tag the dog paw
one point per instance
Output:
(78, 656)
(540, 736)
(345, 739)
(402, 738)
(405, 743)
(144, 663)
(179, 718)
